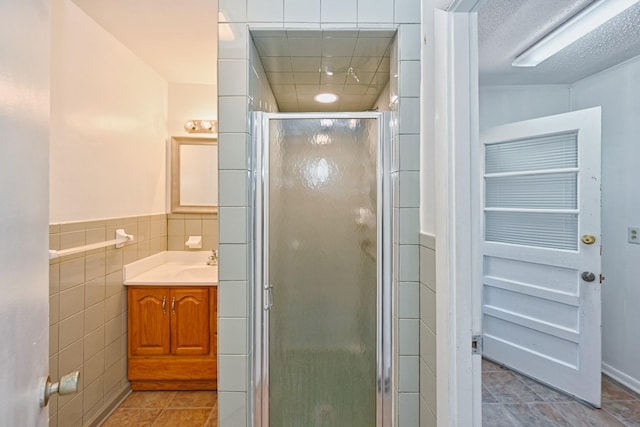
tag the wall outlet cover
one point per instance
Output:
(633, 235)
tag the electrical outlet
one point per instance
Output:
(634, 235)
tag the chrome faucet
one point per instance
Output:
(213, 258)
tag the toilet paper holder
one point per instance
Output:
(194, 242)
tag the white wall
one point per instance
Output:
(506, 104)
(108, 124)
(618, 92)
(188, 102)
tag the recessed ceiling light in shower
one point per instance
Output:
(326, 98)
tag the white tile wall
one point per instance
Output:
(235, 229)
(265, 10)
(409, 300)
(407, 11)
(233, 150)
(409, 145)
(232, 115)
(233, 10)
(233, 188)
(233, 270)
(408, 410)
(428, 403)
(302, 10)
(232, 408)
(339, 11)
(234, 295)
(233, 262)
(232, 335)
(410, 42)
(375, 11)
(409, 374)
(234, 73)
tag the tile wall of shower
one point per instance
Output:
(243, 91)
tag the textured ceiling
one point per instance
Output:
(508, 27)
(300, 64)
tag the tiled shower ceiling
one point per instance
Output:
(300, 64)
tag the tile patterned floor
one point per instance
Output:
(511, 400)
(166, 409)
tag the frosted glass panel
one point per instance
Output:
(546, 191)
(322, 265)
(548, 152)
(547, 230)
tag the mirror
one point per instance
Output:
(194, 175)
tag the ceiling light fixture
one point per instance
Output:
(581, 24)
(326, 98)
(201, 126)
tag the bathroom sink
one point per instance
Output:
(172, 268)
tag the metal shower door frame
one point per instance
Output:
(259, 333)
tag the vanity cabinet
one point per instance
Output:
(172, 337)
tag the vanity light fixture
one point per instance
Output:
(201, 126)
(326, 98)
(581, 24)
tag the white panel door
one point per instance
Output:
(541, 271)
(24, 209)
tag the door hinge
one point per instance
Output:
(476, 344)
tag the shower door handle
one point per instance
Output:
(268, 297)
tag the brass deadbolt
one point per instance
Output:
(588, 239)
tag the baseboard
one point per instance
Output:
(108, 408)
(621, 377)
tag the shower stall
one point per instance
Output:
(322, 328)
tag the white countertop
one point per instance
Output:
(172, 268)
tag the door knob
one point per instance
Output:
(588, 239)
(588, 276)
(68, 384)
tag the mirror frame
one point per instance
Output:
(176, 143)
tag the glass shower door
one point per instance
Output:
(322, 250)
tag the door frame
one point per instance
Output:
(259, 331)
(456, 126)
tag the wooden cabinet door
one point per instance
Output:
(190, 327)
(148, 321)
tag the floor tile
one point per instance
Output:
(183, 417)
(546, 393)
(628, 412)
(489, 366)
(136, 417)
(613, 391)
(496, 415)
(148, 399)
(194, 399)
(579, 415)
(507, 388)
(487, 397)
(536, 414)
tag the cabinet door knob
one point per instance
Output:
(164, 305)
(173, 305)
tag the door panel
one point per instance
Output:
(25, 37)
(190, 321)
(323, 267)
(148, 321)
(541, 194)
